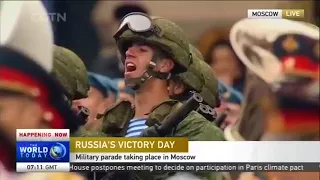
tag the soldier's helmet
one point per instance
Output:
(210, 89)
(156, 31)
(193, 77)
(282, 57)
(71, 72)
(26, 46)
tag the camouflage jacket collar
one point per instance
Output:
(116, 118)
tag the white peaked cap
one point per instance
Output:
(26, 28)
(270, 30)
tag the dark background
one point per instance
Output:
(317, 12)
(77, 26)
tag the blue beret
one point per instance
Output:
(103, 84)
(233, 95)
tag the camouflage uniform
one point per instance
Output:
(71, 72)
(193, 78)
(194, 126)
(282, 92)
(210, 90)
(199, 78)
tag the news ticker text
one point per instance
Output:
(167, 167)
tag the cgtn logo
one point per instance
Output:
(41, 151)
(53, 17)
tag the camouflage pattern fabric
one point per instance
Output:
(201, 78)
(174, 42)
(71, 72)
(210, 90)
(85, 132)
(194, 126)
(193, 77)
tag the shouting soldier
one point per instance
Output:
(153, 50)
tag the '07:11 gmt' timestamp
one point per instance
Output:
(34, 167)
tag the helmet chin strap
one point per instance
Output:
(138, 83)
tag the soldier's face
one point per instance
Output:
(137, 59)
(17, 112)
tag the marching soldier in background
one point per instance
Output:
(182, 84)
(102, 94)
(29, 97)
(151, 58)
(71, 72)
(282, 94)
(196, 79)
(200, 78)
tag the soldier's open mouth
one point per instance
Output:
(130, 67)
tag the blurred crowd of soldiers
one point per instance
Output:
(43, 85)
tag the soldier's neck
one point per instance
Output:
(152, 94)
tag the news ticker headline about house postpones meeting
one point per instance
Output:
(53, 150)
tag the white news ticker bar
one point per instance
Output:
(43, 135)
(265, 13)
(232, 151)
(42, 167)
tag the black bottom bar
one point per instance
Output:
(195, 167)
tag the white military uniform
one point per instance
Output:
(25, 29)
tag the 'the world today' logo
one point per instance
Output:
(42, 151)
